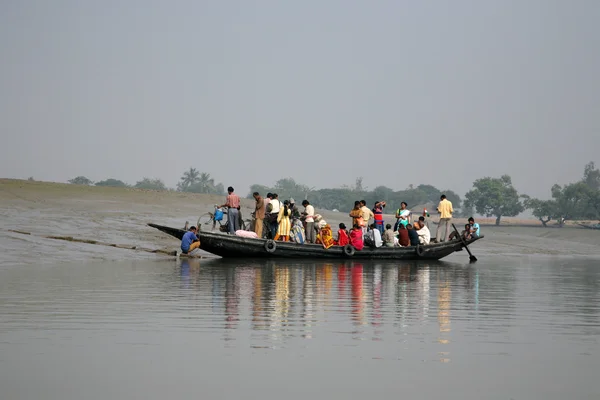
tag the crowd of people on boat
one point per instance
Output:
(283, 221)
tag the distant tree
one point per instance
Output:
(591, 176)
(111, 182)
(31, 179)
(261, 189)
(205, 184)
(433, 193)
(572, 201)
(544, 210)
(383, 193)
(189, 178)
(494, 197)
(80, 180)
(151, 184)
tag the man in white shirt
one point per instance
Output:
(375, 236)
(275, 207)
(309, 218)
(423, 232)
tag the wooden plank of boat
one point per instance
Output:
(231, 246)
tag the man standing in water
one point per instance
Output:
(233, 212)
(189, 241)
(445, 210)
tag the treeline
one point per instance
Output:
(192, 181)
(145, 183)
(496, 197)
(343, 198)
(490, 197)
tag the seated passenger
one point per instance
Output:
(466, 234)
(342, 239)
(388, 236)
(326, 237)
(412, 235)
(474, 228)
(189, 241)
(374, 236)
(403, 239)
(423, 232)
(356, 237)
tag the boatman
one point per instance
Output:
(445, 210)
(190, 241)
(233, 211)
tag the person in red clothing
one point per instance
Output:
(356, 237)
(378, 215)
(342, 239)
(403, 239)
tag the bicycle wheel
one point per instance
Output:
(206, 221)
(248, 225)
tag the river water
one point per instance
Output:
(506, 327)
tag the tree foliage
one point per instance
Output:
(494, 197)
(189, 178)
(80, 180)
(194, 181)
(111, 182)
(574, 201)
(151, 184)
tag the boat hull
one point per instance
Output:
(231, 246)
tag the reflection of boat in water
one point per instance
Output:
(230, 246)
(596, 226)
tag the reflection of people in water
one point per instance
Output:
(357, 294)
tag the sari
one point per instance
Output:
(404, 215)
(326, 237)
(342, 238)
(356, 239)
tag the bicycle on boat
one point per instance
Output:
(218, 217)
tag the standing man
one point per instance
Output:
(309, 218)
(445, 210)
(259, 214)
(273, 215)
(233, 204)
(367, 214)
(266, 223)
(378, 215)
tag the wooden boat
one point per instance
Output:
(597, 226)
(231, 246)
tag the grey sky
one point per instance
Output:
(400, 92)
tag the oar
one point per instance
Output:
(472, 258)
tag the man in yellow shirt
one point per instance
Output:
(445, 210)
(367, 214)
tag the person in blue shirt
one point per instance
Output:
(474, 228)
(190, 241)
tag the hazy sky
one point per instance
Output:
(399, 92)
